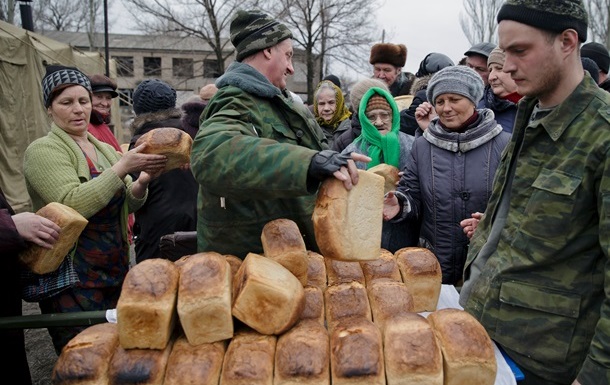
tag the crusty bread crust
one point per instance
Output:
(169, 141)
(282, 241)
(389, 174)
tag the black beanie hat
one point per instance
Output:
(58, 75)
(591, 67)
(253, 31)
(598, 53)
(153, 95)
(549, 15)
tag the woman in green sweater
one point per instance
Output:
(71, 167)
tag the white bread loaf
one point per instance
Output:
(204, 298)
(388, 299)
(421, 273)
(282, 241)
(347, 223)
(266, 296)
(343, 272)
(468, 353)
(41, 260)
(384, 267)
(138, 366)
(235, 263)
(314, 305)
(146, 309)
(86, 357)
(346, 300)
(356, 356)
(302, 356)
(316, 270)
(194, 365)
(249, 359)
(389, 174)
(169, 141)
(412, 354)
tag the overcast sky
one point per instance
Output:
(424, 26)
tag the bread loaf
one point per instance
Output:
(347, 223)
(235, 263)
(356, 356)
(41, 260)
(422, 275)
(204, 298)
(389, 174)
(266, 296)
(384, 267)
(412, 354)
(194, 365)
(343, 272)
(85, 358)
(282, 241)
(468, 353)
(138, 366)
(388, 299)
(147, 306)
(169, 141)
(302, 356)
(346, 300)
(249, 359)
(316, 270)
(314, 305)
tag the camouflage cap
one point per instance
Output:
(549, 15)
(253, 31)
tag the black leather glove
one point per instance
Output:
(325, 163)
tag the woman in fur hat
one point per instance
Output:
(452, 166)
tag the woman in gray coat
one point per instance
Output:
(452, 167)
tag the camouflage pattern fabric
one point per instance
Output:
(541, 294)
(254, 31)
(250, 158)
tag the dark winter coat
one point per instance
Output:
(504, 110)
(408, 123)
(449, 177)
(191, 113)
(172, 197)
(402, 84)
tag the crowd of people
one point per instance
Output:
(503, 159)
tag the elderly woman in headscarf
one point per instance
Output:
(452, 167)
(71, 167)
(330, 111)
(382, 141)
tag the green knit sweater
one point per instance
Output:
(56, 170)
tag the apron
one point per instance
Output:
(101, 261)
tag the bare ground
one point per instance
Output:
(39, 348)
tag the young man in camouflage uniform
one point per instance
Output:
(259, 155)
(537, 274)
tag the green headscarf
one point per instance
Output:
(380, 147)
(341, 113)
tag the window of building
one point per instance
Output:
(124, 65)
(210, 68)
(152, 66)
(182, 67)
(125, 97)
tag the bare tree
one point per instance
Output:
(335, 31)
(599, 23)
(479, 20)
(60, 15)
(208, 20)
(7, 11)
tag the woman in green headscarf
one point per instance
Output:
(329, 108)
(382, 141)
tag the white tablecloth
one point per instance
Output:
(449, 298)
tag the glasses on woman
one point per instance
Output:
(384, 116)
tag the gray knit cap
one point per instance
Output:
(58, 75)
(459, 80)
(548, 15)
(253, 31)
(153, 95)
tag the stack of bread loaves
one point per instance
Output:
(255, 322)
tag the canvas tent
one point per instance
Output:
(23, 118)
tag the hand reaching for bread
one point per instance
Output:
(134, 161)
(36, 229)
(391, 206)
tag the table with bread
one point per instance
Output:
(351, 314)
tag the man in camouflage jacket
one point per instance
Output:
(259, 155)
(538, 275)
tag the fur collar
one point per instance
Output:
(248, 79)
(143, 119)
